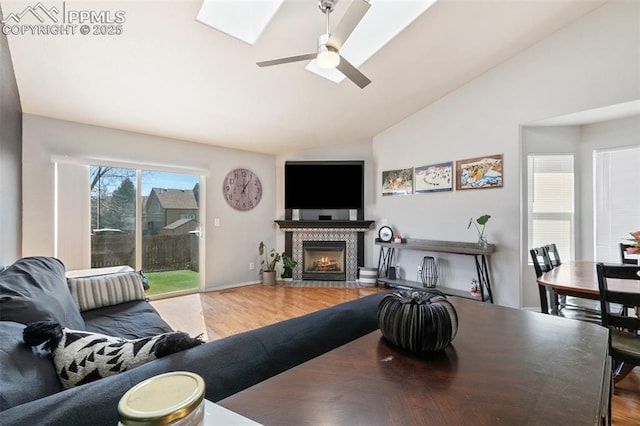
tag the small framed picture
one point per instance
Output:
(433, 178)
(397, 182)
(479, 173)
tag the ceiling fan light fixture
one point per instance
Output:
(327, 58)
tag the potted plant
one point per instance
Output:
(268, 264)
(287, 265)
(482, 221)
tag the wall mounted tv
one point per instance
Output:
(324, 184)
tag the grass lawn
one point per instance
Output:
(169, 281)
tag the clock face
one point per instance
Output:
(242, 189)
(385, 233)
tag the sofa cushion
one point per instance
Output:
(35, 289)
(81, 357)
(26, 373)
(130, 320)
(106, 290)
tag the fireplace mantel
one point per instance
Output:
(337, 224)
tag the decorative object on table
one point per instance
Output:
(433, 178)
(242, 189)
(635, 243)
(148, 402)
(385, 234)
(482, 221)
(368, 277)
(418, 320)
(397, 239)
(268, 264)
(479, 173)
(397, 182)
(475, 288)
(429, 272)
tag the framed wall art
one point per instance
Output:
(397, 182)
(433, 178)
(479, 173)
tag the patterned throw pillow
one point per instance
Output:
(81, 357)
(106, 290)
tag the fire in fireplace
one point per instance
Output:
(324, 260)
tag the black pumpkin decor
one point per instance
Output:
(418, 321)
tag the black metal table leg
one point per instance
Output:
(483, 276)
(385, 258)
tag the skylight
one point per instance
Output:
(242, 19)
(247, 19)
(384, 20)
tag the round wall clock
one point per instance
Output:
(242, 189)
(385, 234)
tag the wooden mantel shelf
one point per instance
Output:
(351, 224)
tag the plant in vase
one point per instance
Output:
(481, 221)
(268, 264)
(635, 242)
(287, 265)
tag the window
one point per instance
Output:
(550, 204)
(617, 200)
(166, 205)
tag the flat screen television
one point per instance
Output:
(323, 184)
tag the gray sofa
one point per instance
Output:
(30, 392)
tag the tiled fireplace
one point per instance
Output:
(335, 247)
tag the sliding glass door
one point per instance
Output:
(149, 220)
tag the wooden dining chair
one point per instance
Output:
(541, 264)
(624, 341)
(623, 254)
(583, 309)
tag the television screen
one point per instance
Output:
(323, 184)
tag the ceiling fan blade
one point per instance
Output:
(306, 57)
(348, 23)
(352, 73)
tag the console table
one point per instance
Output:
(480, 255)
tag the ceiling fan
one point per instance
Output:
(329, 44)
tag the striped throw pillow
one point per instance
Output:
(105, 290)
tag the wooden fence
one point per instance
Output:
(159, 252)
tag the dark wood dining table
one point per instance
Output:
(505, 366)
(579, 278)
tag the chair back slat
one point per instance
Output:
(541, 261)
(554, 256)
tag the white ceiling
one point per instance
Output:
(169, 75)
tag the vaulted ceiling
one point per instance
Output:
(169, 75)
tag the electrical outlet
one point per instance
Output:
(252, 266)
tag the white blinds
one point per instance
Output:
(617, 199)
(551, 203)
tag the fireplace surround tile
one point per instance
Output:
(349, 236)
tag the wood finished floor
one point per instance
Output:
(240, 309)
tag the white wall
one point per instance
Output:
(229, 248)
(589, 64)
(10, 159)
